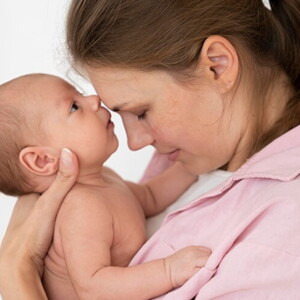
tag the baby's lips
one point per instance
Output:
(109, 118)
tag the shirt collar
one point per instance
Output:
(279, 160)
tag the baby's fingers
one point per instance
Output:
(203, 256)
(204, 250)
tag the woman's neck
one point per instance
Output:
(254, 122)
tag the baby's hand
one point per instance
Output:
(184, 263)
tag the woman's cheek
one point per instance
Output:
(160, 132)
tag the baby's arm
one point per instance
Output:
(162, 190)
(87, 239)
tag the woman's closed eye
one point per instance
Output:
(74, 107)
(142, 116)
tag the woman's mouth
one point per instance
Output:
(173, 155)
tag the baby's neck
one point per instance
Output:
(93, 177)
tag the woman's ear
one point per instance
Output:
(43, 161)
(220, 60)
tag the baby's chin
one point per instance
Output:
(104, 157)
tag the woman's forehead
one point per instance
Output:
(119, 88)
(127, 78)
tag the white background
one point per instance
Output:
(32, 41)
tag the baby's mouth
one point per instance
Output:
(110, 124)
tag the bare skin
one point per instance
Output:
(106, 224)
(202, 149)
(101, 224)
(30, 234)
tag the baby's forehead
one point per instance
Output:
(19, 90)
(34, 89)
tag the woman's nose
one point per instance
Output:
(138, 135)
(93, 102)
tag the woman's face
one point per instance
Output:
(189, 122)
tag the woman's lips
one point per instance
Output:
(173, 155)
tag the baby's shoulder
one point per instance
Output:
(85, 206)
(108, 172)
(82, 191)
(82, 197)
(114, 180)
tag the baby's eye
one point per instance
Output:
(142, 116)
(74, 107)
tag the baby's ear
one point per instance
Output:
(40, 160)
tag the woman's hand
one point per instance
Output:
(29, 235)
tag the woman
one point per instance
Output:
(213, 84)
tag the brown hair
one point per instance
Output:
(169, 34)
(13, 123)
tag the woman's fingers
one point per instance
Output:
(43, 215)
(51, 199)
(46, 206)
(31, 228)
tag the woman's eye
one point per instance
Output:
(142, 116)
(74, 107)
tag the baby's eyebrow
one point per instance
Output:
(65, 102)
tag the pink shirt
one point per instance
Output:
(252, 224)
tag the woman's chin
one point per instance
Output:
(195, 169)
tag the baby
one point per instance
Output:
(101, 223)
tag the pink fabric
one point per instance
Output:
(251, 223)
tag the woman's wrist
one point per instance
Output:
(21, 281)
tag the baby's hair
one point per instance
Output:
(13, 122)
(169, 34)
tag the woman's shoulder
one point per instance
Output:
(267, 214)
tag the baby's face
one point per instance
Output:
(72, 120)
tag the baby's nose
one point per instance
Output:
(94, 102)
